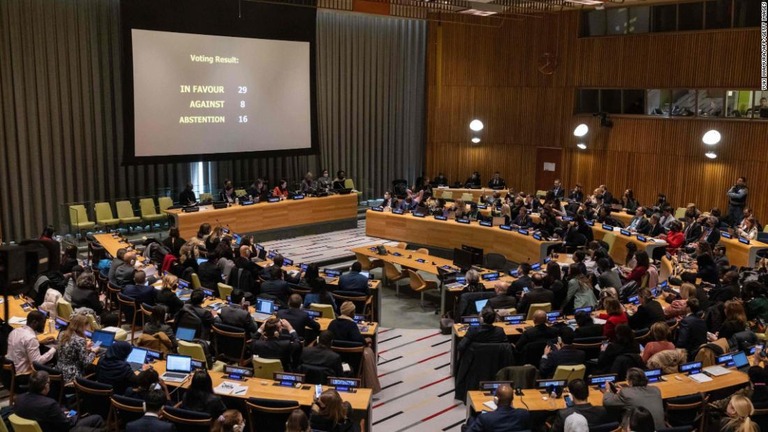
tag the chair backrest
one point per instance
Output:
(402, 245)
(270, 414)
(3, 427)
(590, 346)
(680, 213)
(546, 307)
(77, 214)
(23, 425)
(607, 427)
(8, 379)
(124, 209)
(495, 261)
(541, 193)
(533, 351)
(92, 397)
(522, 376)
(422, 251)
(316, 374)
(56, 378)
(147, 206)
(391, 271)
(224, 290)
(570, 373)
(359, 300)
(186, 420)
(196, 281)
(229, 342)
(127, 307)
(103, 211)
(364, 261)
(265, 368)
(163, 203)
(125, 410)
(206, 196)
(326, 311)
(416, 281)
(64, 308)
(351, 353)
(191, 349)
(349, 184)
(685, 410)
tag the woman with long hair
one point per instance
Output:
(75, 351)
(167, 295)
(579, 290)
(614, 316)
(318, 288)
(623, 343)
(199, 397)
(157, 324)
(297, 422)
(739, 409)
(330, 413)
(735, 319)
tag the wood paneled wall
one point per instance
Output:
(492, 74)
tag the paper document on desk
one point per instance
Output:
(716, 370)
(490, 404)
(230, 388)
(599, 321)
(700, 377)
(17, 321)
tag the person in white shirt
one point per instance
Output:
(24, 347)
(748, 229)
(666, 218)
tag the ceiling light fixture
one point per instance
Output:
(581, 146)
(475, 140)
(581, 130)
(712, 137)
(710, 155)
(476, 125)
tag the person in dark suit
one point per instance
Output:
(151, 421)
(502, 300)
(298, 318)
(586, 327)
(564, 354)
(540, 332)
(595, 415)
(473, 181)
(537, 295)
(496, 182)
(276, 286)
(174, 242)
(504, 418)
(440, 180)
(322, 356)
(639, 222)
(576, 194)
(649, 311)
(654, 227)
(140, 292)
(354, 281)
(694, 230)
(124, 272)
(198, 315)
(210, 273)
(522, 219)
(692, 331)
(344, 326)
(236, 313)
(486, 332)
(278, 340)
(523, 280)
(187, 196)
(557, 190)
(86, 293)
(36, 405)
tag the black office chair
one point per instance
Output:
(93, 397)
(532, 352)
(315, 374)
(686, 411)
(124, 411)
(229, 343)
(607, 427)
(351, 353)
(495, 261)
(269, 414)
(186, 420)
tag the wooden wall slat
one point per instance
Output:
(492, 74)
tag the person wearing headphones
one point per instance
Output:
(505, 418)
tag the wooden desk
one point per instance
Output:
(669, 389)
(476, 193)
(450, 234)
(269, 216)
(112, 243)
(15, 310)
(740, 254)
(619, 249)
(263, 388)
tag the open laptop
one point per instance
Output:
(103, 340)
(265, 308)
(480, 304)
(136, 358)
(177, 368)
(185, 334)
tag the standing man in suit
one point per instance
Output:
(36, 405)
(692, 331)
(737, 200)
(151, 420)
(236, 314)
(636, 394)
(497, 182)
(557, 190)
(504, 418)
(140, 292)
(595, 415)
(564, 354)
(298, 317)
(353, 281)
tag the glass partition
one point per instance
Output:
(710, 103)
(737, 103)
(683, 103)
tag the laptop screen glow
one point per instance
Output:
(178, 363)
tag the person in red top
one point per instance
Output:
(613, 316)
(660, 334)
(281, 190)
(637, 273)
(675, 237)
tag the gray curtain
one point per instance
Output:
(371, 96)
(61, 128)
